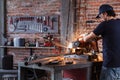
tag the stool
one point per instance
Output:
(9, 77)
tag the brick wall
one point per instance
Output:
(31, 8)
(86, 10)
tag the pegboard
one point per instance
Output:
(33, 24)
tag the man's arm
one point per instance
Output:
(89, 36)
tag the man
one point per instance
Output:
(109, 29)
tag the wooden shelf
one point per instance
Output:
(31, 48)
(28, 47)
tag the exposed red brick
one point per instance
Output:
(87, 10)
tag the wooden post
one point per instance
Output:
(2, 27)
(67, 19)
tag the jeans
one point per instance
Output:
(110, 73)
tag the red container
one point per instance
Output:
(75, 74)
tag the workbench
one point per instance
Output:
(56, 70)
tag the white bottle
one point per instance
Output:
(37, 43)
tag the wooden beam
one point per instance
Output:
(67, 20)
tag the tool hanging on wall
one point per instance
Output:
(33, 24)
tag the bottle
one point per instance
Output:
(37, 43)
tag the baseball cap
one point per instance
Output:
(103, 8)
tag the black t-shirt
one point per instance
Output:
(110, 32)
